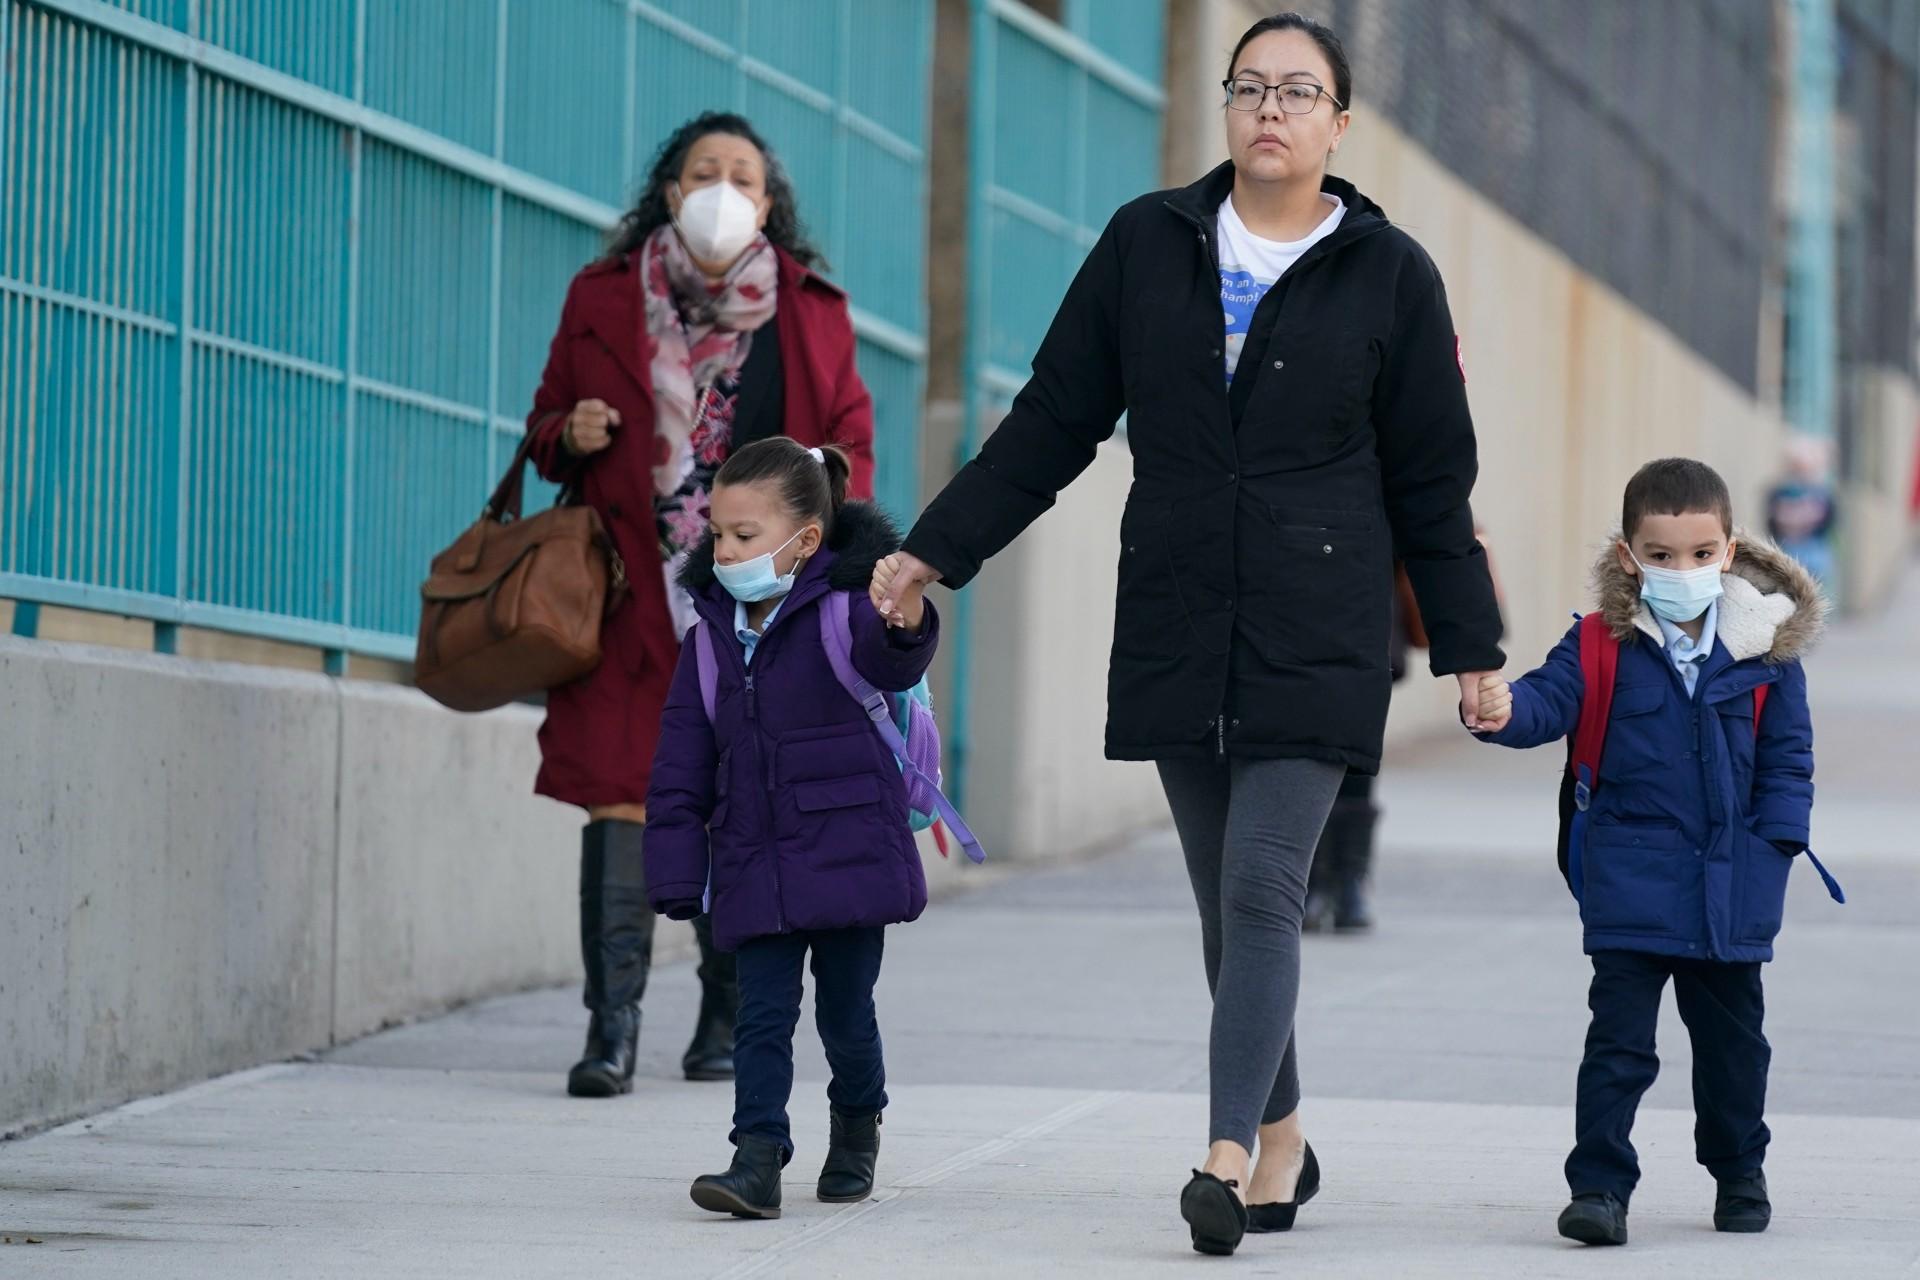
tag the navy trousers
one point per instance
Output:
(1722, 1006)
(846, 964)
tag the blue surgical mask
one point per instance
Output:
(1680, 595)
(752, 581)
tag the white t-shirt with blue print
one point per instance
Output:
(1251, 265)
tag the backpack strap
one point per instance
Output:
(836, 637)
(1834, 890)
(709, 666)
(1599, 665)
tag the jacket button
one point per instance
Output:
(1327, 550)
(1229, 606)
(1233, 477)
(1216, 353)
(1279, 364)
(613, 509)
(1698, 854)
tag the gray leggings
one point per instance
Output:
(1248, 828)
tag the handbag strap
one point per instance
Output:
(505, 504)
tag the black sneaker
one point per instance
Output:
(1595, 1217)
(1742, 1204)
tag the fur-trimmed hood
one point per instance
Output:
(862, 535)
(1773, 608)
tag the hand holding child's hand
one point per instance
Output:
(1495, 703)
(899, 591)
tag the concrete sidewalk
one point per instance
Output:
(1046, 1041)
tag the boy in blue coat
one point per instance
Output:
(1681, 858)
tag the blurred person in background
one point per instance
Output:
(1800, 508)
(1297, 417)
(703, 329)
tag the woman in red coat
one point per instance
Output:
(703, 329)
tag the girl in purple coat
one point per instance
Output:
(786, 810)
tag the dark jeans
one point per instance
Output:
(846, 964)
(1722, 1006)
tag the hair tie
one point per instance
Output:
(818, 456)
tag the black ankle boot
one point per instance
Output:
(616, 944)
(1742, 1204)
(750, 1188)
(710, 1055)
(1594, 1217)
(1352, 824)
(852, 1152)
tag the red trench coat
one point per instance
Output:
(597, 743)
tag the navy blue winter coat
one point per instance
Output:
(1682, 854)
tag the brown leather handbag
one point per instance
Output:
(514, 606)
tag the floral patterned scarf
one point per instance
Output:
(701, 332)
(701, 335)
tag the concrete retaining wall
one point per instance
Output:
(208, 866)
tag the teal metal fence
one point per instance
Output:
(1065, 128)
(277, 279)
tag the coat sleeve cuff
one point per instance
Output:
(1781, 833)
(928, 635)
(1461, 615)
(973, 519)
(666, 898)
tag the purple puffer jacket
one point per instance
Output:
(789, 799)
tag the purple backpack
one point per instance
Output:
(904, 721)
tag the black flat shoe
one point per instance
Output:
(1594, 1217)
(1742, 1205)
(1214, 1214)
(1278, 1215)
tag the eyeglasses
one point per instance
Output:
(1296, 98)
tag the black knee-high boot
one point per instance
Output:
(616, 944)
(710, 1055)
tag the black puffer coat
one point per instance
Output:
(1256, 553)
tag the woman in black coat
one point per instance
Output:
(1281, 461)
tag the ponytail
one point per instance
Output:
(812, 483)
(839, 469)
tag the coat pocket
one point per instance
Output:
(1150, 622)
(836, 793)
(1332, 594)
(1761, 877)
(1639, 877)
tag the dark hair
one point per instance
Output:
(651, 212)
(1336, 53)
(809, 489)
(1675, 487)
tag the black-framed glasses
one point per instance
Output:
(1297, 98)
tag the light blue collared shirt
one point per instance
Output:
(1687, 654)
(750, 639)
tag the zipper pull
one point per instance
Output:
(753, 699)
(1220, 739)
